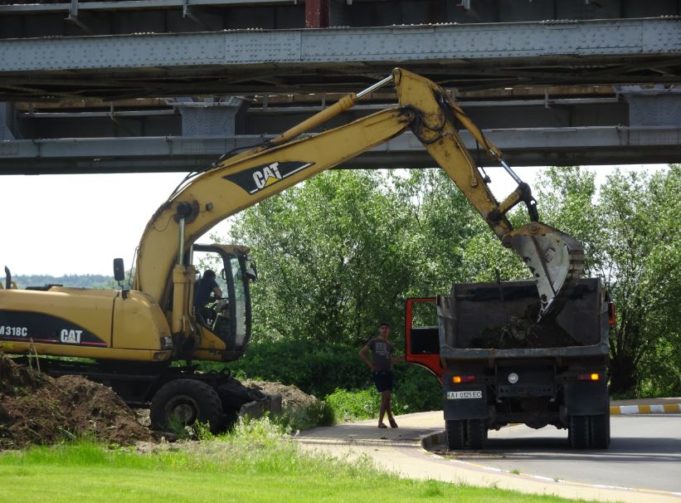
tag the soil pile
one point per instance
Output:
(293, 400)
(525, 332)
(37, 409)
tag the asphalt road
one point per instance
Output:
(645, 453)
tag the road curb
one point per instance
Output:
(667, 408)
(430, 441)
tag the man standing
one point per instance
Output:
(381, 365)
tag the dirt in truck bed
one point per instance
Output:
(524, 332)
(38, 409)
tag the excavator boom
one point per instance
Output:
(242, 180)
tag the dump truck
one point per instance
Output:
(498, 364)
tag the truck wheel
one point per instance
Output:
(599, 430)
(578, 432)
(456, 435)
(182, 402)
(476, 433)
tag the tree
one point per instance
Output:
(455, 242)
(632, 241)
(333, 256)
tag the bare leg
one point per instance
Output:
(391, 419)
(385, 406)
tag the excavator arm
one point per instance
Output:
(242, 180)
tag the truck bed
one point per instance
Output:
(498, 320)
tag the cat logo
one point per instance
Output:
(257, 178)
(70, 336)
(267, 175)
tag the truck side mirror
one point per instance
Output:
(118, 269)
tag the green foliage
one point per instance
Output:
(331, 255)
(633, 242)
(315, 368)
(318, 413)
(416, 390)
(329, 371)
(351, 405)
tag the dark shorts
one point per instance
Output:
(383, 380)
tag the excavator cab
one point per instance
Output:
(228, 317)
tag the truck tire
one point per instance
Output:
(476, 434)
(599, 431)
(578, 432)
(456, 435)
(182, 402)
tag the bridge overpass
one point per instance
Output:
(158, 85)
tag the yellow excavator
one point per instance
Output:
(134, 338)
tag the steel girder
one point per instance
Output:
(535, 146)
(473, 55)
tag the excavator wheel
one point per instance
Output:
(182, 402)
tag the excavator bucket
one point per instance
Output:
(554, 258)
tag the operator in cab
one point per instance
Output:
(203, 290)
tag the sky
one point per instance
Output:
(77, 224)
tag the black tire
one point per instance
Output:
(182, 402)
(476, 430)
(599, 431)
(456, 435)
(579, 432)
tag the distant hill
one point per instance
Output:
(73, 280)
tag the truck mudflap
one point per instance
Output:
(586, 397)
(464, 396)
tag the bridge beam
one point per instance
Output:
(224, 62)
(523, 147)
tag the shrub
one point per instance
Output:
(303, 418)
(415, 390)
(334, 371)
(316, 368)
(350, 405)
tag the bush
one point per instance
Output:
(415, 390)
(335, 372)
(351, 405)
(316, 368)
(303, 418)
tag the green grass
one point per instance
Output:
(253, 465)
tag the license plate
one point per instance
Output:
(464, 395)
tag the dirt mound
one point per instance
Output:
(293, 401)
(37, 409)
